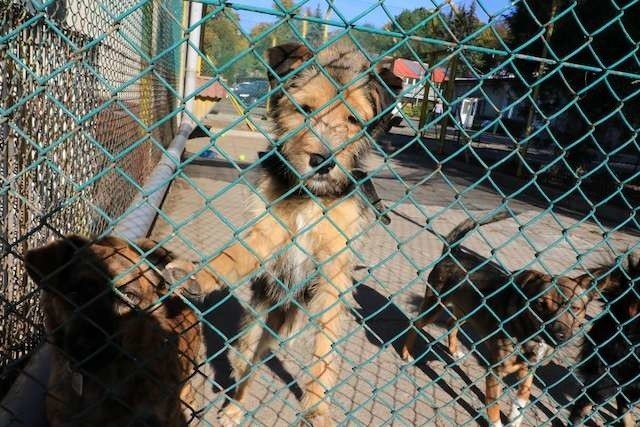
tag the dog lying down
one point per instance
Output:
(121, 357)
(520, 316)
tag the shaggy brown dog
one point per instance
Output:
(311, 208)
(519, 317)
(121, 357)
(609, 362)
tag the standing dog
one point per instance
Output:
(300, 246)
(119, 357)
(519, 317)
(610, 357)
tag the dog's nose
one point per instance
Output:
(316, 160)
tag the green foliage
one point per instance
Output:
(589, 33)
(421, 22)
(222, 41)
(412, 110)
(314, 29)
(456, 26)
(375, 44)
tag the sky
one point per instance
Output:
(352, 8)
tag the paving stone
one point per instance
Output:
(206, 205)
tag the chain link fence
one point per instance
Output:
(88, 101)
(526, 107)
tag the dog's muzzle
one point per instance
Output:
(323, 163)
(556, 333)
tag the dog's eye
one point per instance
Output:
(352, 119)
(307, 110)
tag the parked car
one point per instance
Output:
(251, 91)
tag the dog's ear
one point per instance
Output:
(286, 57)
(156, 255)
(42, 263)
(385, 96)
(633, 271)
(532, 282)
(598, 281)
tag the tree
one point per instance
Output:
(453, 26)
(374, 43)
(420, 22)
(591, 47)
(223, 43)
(494, 36)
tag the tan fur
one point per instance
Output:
(305, 230)
(141, 375)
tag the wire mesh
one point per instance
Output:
(528, 107)
(88, 102)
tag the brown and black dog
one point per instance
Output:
(609, 363)
(124, 352)
(520, 317)
(311, 208)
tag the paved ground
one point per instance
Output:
(376, 387)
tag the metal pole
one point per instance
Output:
(191, 72)
(325, 30)
(305, 25)
(136, 223)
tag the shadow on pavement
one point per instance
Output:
(385, 324)
(225, 320)
(375, 313)
(493, 169)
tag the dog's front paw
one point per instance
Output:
(406, 354)
(317, 419)
(515, 416)
(230, 416)
(458, 355)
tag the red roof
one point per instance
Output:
(438, 75)
(406, 68)
(213, 91)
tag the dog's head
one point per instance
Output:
(619, 285)
(326, 106)
(558, 304)
(609, 277)
(88, 286)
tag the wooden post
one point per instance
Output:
(449, 94)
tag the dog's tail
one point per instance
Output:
(462, 229)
